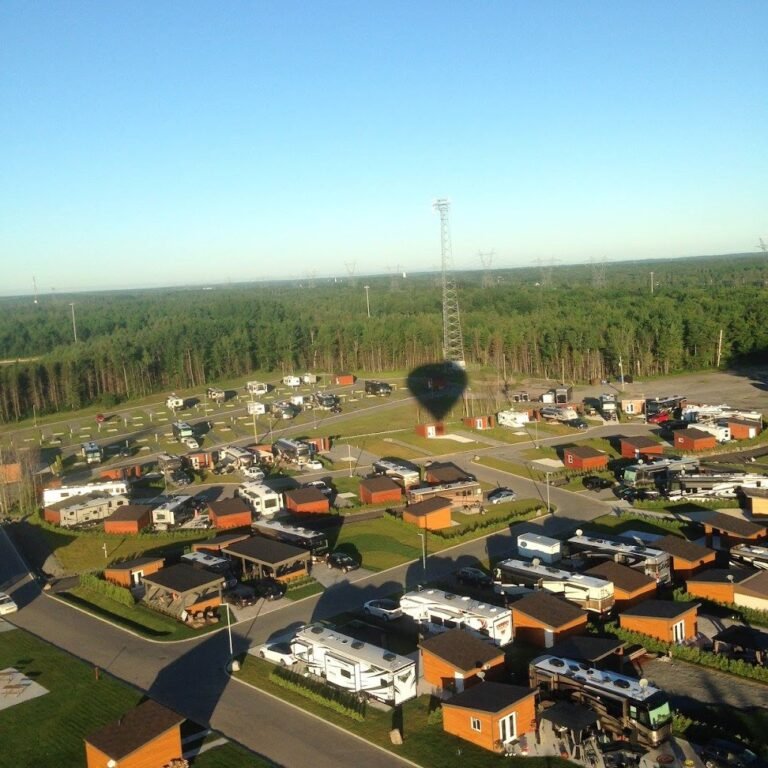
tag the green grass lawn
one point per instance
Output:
(614, 525)
(384, 446)
(424, 741)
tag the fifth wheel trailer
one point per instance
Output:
(354, 665)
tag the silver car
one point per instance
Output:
(7, 604)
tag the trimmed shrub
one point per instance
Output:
(321, 693)
(114, 592)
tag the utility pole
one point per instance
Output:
(651, 282)
(719, 348)
(367, 301)
(74, 324)
(453, 340)
(621, 373)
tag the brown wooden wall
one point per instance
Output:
(533, 631)
(661, 629)
(434, 521)
(154, 754)
(440, 673)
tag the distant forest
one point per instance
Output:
(572, 320)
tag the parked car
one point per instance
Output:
(278, 653)
(269, 589)
(313, 465)
(473, 577)
(7, 604)
(191, 443)
(720, 753)
(595, 483)
(321, 486)
(253, 473)
(388, 610)
(637, 494)
(501, 495)
(578, 424)
(342, 561)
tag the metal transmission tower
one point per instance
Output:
(453, 340)
(486, 259)
(598, 272)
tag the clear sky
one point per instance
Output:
(161, 142)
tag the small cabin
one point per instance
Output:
(307, 501)
(431, 514)
(434, 429)
(693, 439)
(666, 620)
(583, 458)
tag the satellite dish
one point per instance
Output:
(730, 577)
(579, 532)
(481, 675)
(643, 683)
(536, 561)
(112, 764)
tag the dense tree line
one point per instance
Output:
(572, 321)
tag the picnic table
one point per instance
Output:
(15, 688)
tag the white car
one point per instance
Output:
(191, 443)
(7, 604)
(278, 653)
(253, 473)
(312, 464)
(388, 610)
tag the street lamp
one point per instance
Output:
(367, 301)
(549, 509)
(74, 325)
(423, 538)
(233, 665)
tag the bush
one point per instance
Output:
(321, 693)
(95, 583)
(483, 523)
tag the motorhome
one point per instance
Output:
(661, 409)
(658, 472)
(608, 404)
(285, 409)
(515, 419)
(261, 498)
(292, 450)
(297, 400)
(652, 562)
(628, 707)
(174, 402)
(749, 554)
(402, 474)
(112, 488)
(169, 462)
(314, 541)
(309, 378)
(325, 400)
(439, 611)
(256, 388)
(240, 457)
(378, 388)
(462, 494)
(182, 430)
(215, 393)
(255, 408)
(173, 512)
(91, 452)
(291, 381)
(515, 577)
(355, 666)
(534, 545)
(559, 413)
(708, 414)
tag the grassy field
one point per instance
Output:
(613, 524)
(424, 741)
(49, 730)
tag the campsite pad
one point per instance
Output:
(16, 688)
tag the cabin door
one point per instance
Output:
(549, 638)
(508, 728)
(678, 632)
(136, 578)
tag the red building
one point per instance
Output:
(639, 446)
(630, 586)
(584, 458)
(229, 513)
(542, 619)
(688, 557)
(307, 501)
(744, 429)
(435, 429)
(131, 572)
(667, 620)
(717, 584)
(478, 422)
(693, 439)
(380, 490)
(344, 379)
(432, 514)
(129, 519)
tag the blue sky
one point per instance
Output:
(154, 143)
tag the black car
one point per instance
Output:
(342, 561)
(578, 424)
(595, 483)
(269, 589)
(473, 577)
(719, 753)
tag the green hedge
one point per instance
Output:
(750, 615)
(321, 693)
(692, 655)
(112, 591)
(485, 522)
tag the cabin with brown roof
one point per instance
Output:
(666, 620)
(380, 490)
(583, 458)
(307, 501)
(755, 501)
(130, 519)
(732, 529)
(542, 619)
(443, 472)
(457, 659)
(717, 584)
(131, 572)
(230, 513)
(183, 591)
(431, 514)
(744, 429)
(639, 446)
(478, 422)
(693, 439)
(753, 592)
(260, 557)
(491, 715)
(630, 586)
(432, 429)
(148, 736)
(688, 557)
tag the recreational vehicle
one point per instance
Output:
(255, 408)
(626, 706)
(292, 450)
(546, 549)
(215, 393)
(261, 498)
(325, 401)
(208, 562)
(314, 541)
(91, 452)
(112, 488)
(256, 388)
(658, 471)
(309, 378)
(749, 554)
(514, 577)
(173, 512)
(558, 413)
(354, 665)
(291, 381)
(240, 457)
(182, 430)
(652, 562)
(174, 401)
(439, 611)
(402, 474)
(379, 388)
(515, 419)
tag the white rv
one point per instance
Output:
(256, 388)
(255, 408)
(558, 413)
(173, 512)
(309, 378)
(112, 488)
(240, 457)
(296, 400)
(514, 577)
(261, 498)
(440, 611)
(546, 549)
(354, 665)
(515, 419)
(291, 381)
(174, 401)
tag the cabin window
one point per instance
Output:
(474, 723)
